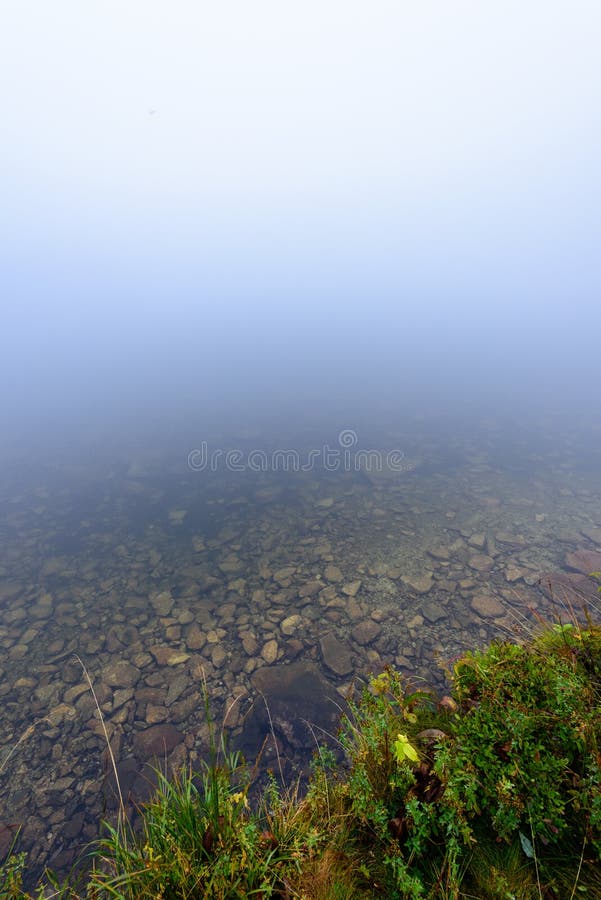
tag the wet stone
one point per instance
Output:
(162, 603)
(156, 714)
(481, 562)
(366, 632)
(250, 645)
(47, 693)
(333, 573)
(300, 701)
(440, 553)
(218, 656)
(169, 656)
(195, 637)
(515, 573)
(515, 541)
(351, 588)
(121, 674)
(488, 607)
(121, 697)
(61, 713)
(231, 565)
(157, 740)
(433, 611)
(336, 655)
(177, 686)
(290, 624)
(310, 589)
(420, 584)
(284, 574)
(270, 652)
(584, 561)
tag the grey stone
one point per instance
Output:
(335, 654)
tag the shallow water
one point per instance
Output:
(161, 578)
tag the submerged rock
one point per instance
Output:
(365, 632)
(297, 702)
(487, 606)
(420, 584)
(584, 561)
(336, 655)
(158, 740)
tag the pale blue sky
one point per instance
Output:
(306, 183)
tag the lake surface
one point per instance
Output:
(168, 568)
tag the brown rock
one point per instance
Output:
(433, 611)
(420, 584)
(488, 607)
(515, 573)
(515, 541)
(584, 561)
(250, 645)
(121, 674)
(310, 589)
(158, 740)
(155, 714)
(333, 573)
(169, 656)
(481, 562)
(441, 553)
(365, 632)
(195, 637)
(270, 652)
(351, 589)
(162, 603)
(283, 574)
(571, 588)
(290, 624)
(218, 656)
(231, 565)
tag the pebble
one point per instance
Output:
(169, 656)
(365, 632)
(333, 573)
(421, 584)
(290, 624)
(488, 607)
(336, 655)
(269, 651)
(481, 562)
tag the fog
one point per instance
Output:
(249, 209)
(299, 367)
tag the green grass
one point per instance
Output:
(494, 793)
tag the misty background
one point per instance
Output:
(233, 210)
(266, 226)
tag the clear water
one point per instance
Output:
(163, 580)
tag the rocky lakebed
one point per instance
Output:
(273, 595)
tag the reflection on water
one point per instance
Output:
(162, 578)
